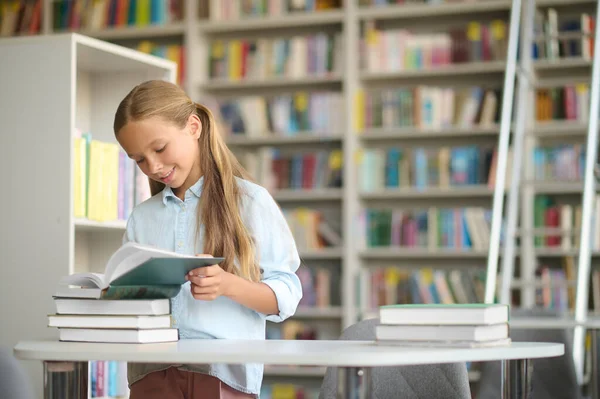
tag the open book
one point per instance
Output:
(135, 271)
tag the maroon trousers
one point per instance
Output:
(173, 383)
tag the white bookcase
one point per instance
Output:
(51, 86)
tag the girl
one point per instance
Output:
(203, 202)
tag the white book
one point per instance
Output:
(439, 314)
(475, 333)
(113, 307)
(109, 321)
(118, 335)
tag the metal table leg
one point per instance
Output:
(516, 379)
(595, 378)
(353, 383)
(65, 380)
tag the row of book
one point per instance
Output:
(107, 184)
(300, 170)
(292, 329)
(311, 230)
(289, 114)
(430, 229)
(102, 14)
(563, 36)
(20, 17)
(569, 102)
(426, 167)
(553, 290)
(393, 285)
(171, 52)
(320, 287)
(559, 224)
(233, 10)
(388, 50)
(559, 162)
(108, 379)
(379, 3)
(428, 107)
(290, 57)
(282, 390)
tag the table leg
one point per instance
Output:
(516, 379)
(353, 383)
(595, 378)
(65, 380)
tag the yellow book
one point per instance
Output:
(142, 16)
(235, 59)
(112, 181)
(95, 188)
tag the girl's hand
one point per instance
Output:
(209, 282)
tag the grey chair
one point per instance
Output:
(552, 378)
(439, 381)
(14, 381)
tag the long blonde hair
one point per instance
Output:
(219, 210)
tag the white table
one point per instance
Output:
(348, 356)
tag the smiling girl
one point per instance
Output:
(203, 203)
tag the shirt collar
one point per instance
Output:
(195, 189)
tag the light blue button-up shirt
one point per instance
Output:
(167, 222)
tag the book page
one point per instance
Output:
(92, 280)
(130, 255)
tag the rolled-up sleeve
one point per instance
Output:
(276, 253)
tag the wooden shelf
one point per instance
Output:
(563, 3)
(322, 253)
(332, 312)
(91, 225)
(557, 187)
(292, 20)
(415, 133)
(325, 194)
(561, 63)
(241, 140)
(466, 69)
(429, 192)
(420, 253)
(559, 129)
(272, 82)
(401, 12)
(135, 32)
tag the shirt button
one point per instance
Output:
(179, 244)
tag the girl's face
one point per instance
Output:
(163, 151)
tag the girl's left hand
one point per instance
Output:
(209, 282)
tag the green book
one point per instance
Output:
(135, 271)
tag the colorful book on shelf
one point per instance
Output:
(135, 271)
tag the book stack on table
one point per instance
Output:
(129, 303)
(452, 325)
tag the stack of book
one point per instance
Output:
(451, 325)
(129, 303)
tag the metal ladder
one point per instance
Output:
(525, 75)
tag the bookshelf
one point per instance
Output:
(40, 233)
